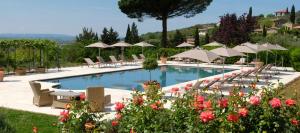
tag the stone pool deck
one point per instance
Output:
(15, 91)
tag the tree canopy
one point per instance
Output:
(109, 36)
(293, 15)
(162, 10)
(178, 38)
(87, 37)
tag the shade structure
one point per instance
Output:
(269, 46)
(214, 44)
(183, 45)
(197, 54)
(143, 44)
(279, 48)
(98, 45)
(226, 52)
(256, 47)
(122, 45)
(244, 49)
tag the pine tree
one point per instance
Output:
(134, 34)
(113, 36)
(178, 38)
(88, 36)
(250, 12)
(196, 37)
(128, 37)
(104, 36)
(206, 39)
(264, 31)
(293, 16)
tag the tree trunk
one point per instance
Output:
(164, 38)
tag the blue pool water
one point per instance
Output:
(166, 75)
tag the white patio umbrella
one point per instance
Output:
(143, 44)
(269, 46)
(198, 54)
(98, 45)
(226, 52)
(214, 44)
(183, 45)
(244, 49)
(122, 44)
(256, 47)
(279, 48)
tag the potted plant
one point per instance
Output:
(40, 69)
(163, 56)
(150, 64)
(21, 70)
(1, 74)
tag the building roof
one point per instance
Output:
(282, 11)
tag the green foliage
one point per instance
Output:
(178, 38)
(267, 22)
(206, 40)
(264, 32)
(163, 52)
(135, 34)
(87, 37)
(293, 15)
(196, 37)
(128, 35)
(157, 9)
(4, 126)
(150, 64)
(298, 20)
(295, 57)
(109, 36)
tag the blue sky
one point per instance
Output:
(69, 16)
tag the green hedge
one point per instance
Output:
(295, 57)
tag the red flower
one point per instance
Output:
(241, 94)
(114, 123)
(206, 81)
(223, 103)
(198, 106)
(233, 117)
(243, 112)
(275, 103)
(82, 96)
(290, 102)
(187, 88)
(118, 116)
(295, 122)
(208, 104)
(132, 130)
(174, 90)
(189, 85)
(207, 116)
(34, 129)
(254, 100)
(154, 106)
(138, 100)
(64, 116)
(119, 106)
(199, 99)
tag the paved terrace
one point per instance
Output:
(15, 91)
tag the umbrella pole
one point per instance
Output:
(267, 58)
(142, 50)
(99, 57)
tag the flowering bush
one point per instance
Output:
(258, 111)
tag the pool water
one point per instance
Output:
(166, 75)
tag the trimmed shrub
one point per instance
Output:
(295, 57)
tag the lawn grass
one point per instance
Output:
(292, 90)
(24, 121)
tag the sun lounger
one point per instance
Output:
(196, 86)
(210, 84)
(102, 61)
(241, 61)
(136, 59)
(89, 62)
(142, 56)
(41, 97)
(115, 61)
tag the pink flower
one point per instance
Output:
(189, 85)
(294, 122)
(138, 100)
(275, 103)
(200, 99)
(223, 103)
(243, 112)
(114, 123)
(198, 106)
(119, 106)
(254, 100)
(35, 129)
(82, 96)
(207, 116)
(154, 106)
(290, 102)
(241, 94)
(64, 116)
(187, 88)
(118, 116)
(208, 104)
(233, 117)
(174, 90)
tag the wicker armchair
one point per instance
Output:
(41, 97)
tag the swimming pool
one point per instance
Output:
(166, 75)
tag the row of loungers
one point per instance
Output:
(250, 74)
(114, 62)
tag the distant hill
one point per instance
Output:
(59, 38)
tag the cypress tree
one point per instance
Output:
(206, 39)
(196, 37)
(104, 36)
(264, 31)
(250, 12)
(293, 16)
(128, 37)
(134, 34)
